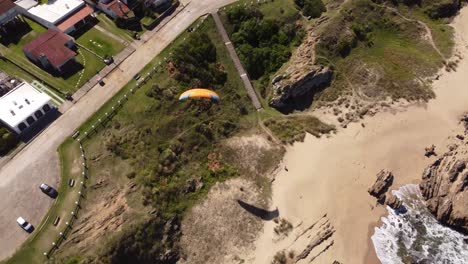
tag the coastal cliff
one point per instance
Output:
(445, 184)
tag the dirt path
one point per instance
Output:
(38, 162)
(428, 35)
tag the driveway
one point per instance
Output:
(38, 162)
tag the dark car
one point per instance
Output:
(51, 192)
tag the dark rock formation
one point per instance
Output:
(287, 90)
(445, 187)
(430, 151)
(394, 202)
(381, 185)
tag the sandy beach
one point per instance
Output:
(331, 175)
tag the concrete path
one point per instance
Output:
(38, 162)
(240, 69)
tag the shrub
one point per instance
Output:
(7, 140)
(263, 44)
(311, 8)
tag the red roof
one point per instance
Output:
(51, 44)
(75, 18)
(118, 7)
(5, 6)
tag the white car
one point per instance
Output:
(24, 224)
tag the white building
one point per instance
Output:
(64, 15)
(23, 106)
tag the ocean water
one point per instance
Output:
(415, 236)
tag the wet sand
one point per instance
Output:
(331, 175)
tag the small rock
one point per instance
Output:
(460, 137)
(430, 151)
(381, 185)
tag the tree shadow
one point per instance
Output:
(15, 31)
(259, 212)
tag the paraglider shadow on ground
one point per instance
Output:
(259, 212)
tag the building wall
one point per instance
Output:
(44, 113)
(8, 16)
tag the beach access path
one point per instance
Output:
(240, 69)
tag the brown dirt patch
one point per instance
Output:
(219, 230)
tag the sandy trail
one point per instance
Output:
(331, 175)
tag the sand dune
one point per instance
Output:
(331, 175)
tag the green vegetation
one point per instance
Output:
(311, 8)
(41, 240)
(110, 26)
(377, 52)
(168, 143)
(435, 9)
(263, 45)
(7, 141)
(293, 128)
(99, 43)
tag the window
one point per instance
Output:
(38, 114)
(22, 126)
(30, 120)
(46, 108)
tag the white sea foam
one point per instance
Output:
(417, 235)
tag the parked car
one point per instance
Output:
(25, 224)
(51, 192)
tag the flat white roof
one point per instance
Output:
(26, 4)
(20, 103)
(55, 11)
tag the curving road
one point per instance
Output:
(38, 162)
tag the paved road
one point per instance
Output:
(240, 69)
(38, 162)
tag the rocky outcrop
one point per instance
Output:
(287, 90)
(381, 185)
(445, 187)
(302, 78)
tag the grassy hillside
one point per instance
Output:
(380, 50)
(165, 146)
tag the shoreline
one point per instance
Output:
(331, 175)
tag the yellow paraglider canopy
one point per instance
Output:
(199, 93)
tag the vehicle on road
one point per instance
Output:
(25, 224)
(51, 192)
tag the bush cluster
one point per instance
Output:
(195, 60)
(311, 8)
(264, 45)
(7, 140)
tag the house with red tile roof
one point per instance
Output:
(114, 8)
(52, 50)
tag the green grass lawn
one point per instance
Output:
(41, 240)
(100, 43)
(109, 25)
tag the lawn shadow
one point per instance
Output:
(91, 22)
(259, 212)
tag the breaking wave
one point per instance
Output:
(416, 236)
